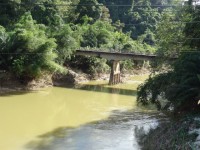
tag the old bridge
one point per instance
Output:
(115, 59)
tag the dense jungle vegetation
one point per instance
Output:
(41, 36)
(176, 86)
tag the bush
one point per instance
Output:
(181, 86)
(90, 65)
(30, 51)
(174, 135)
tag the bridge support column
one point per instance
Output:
(115, 73)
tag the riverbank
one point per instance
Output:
(177, 134)
(9, 83)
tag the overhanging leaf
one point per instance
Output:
(198, 76)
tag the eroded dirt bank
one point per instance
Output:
(9, 83)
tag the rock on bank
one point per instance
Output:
(9, 83)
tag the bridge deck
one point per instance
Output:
(115, 56)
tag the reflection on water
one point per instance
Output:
(107, 89)
(60, 118)
(118, 132)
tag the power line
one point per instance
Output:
(17, 53)
(138, 24)
(109, 5)
(95, 49)
(184, 39)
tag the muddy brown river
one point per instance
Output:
(91, 116)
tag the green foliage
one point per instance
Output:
(49, 14)
(89, 38)
(10, 12)
(88, 8)
(31, 52)
(4, 40)
(148, 37)
(117, 13)
(143, 19)
(192, 30)
(126, 65)
(3, 37)
(67, 43)
(45, 33)
(171, 44)
(181, 86)
(90, 65)
(98, 35)
(102, 34)
(136, 19)
(153, 87)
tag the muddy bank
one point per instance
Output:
(77, 77)
(70, 78)
(9, 83)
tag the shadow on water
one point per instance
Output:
(102, 88)
(15, 93)
(120, 131)
(44, 141)
(86, 87)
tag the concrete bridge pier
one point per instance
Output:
(115, 72)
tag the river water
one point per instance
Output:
(91, 116)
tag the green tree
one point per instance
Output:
(98, 35)
(142, 20)
(32, 53)
(10, 12)
(4, 44)
(179, 87)
(171, 44)
(136, 18)
(89, 65)
(67, 42)
(192, 29)
(48, 12)
(90, 8)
